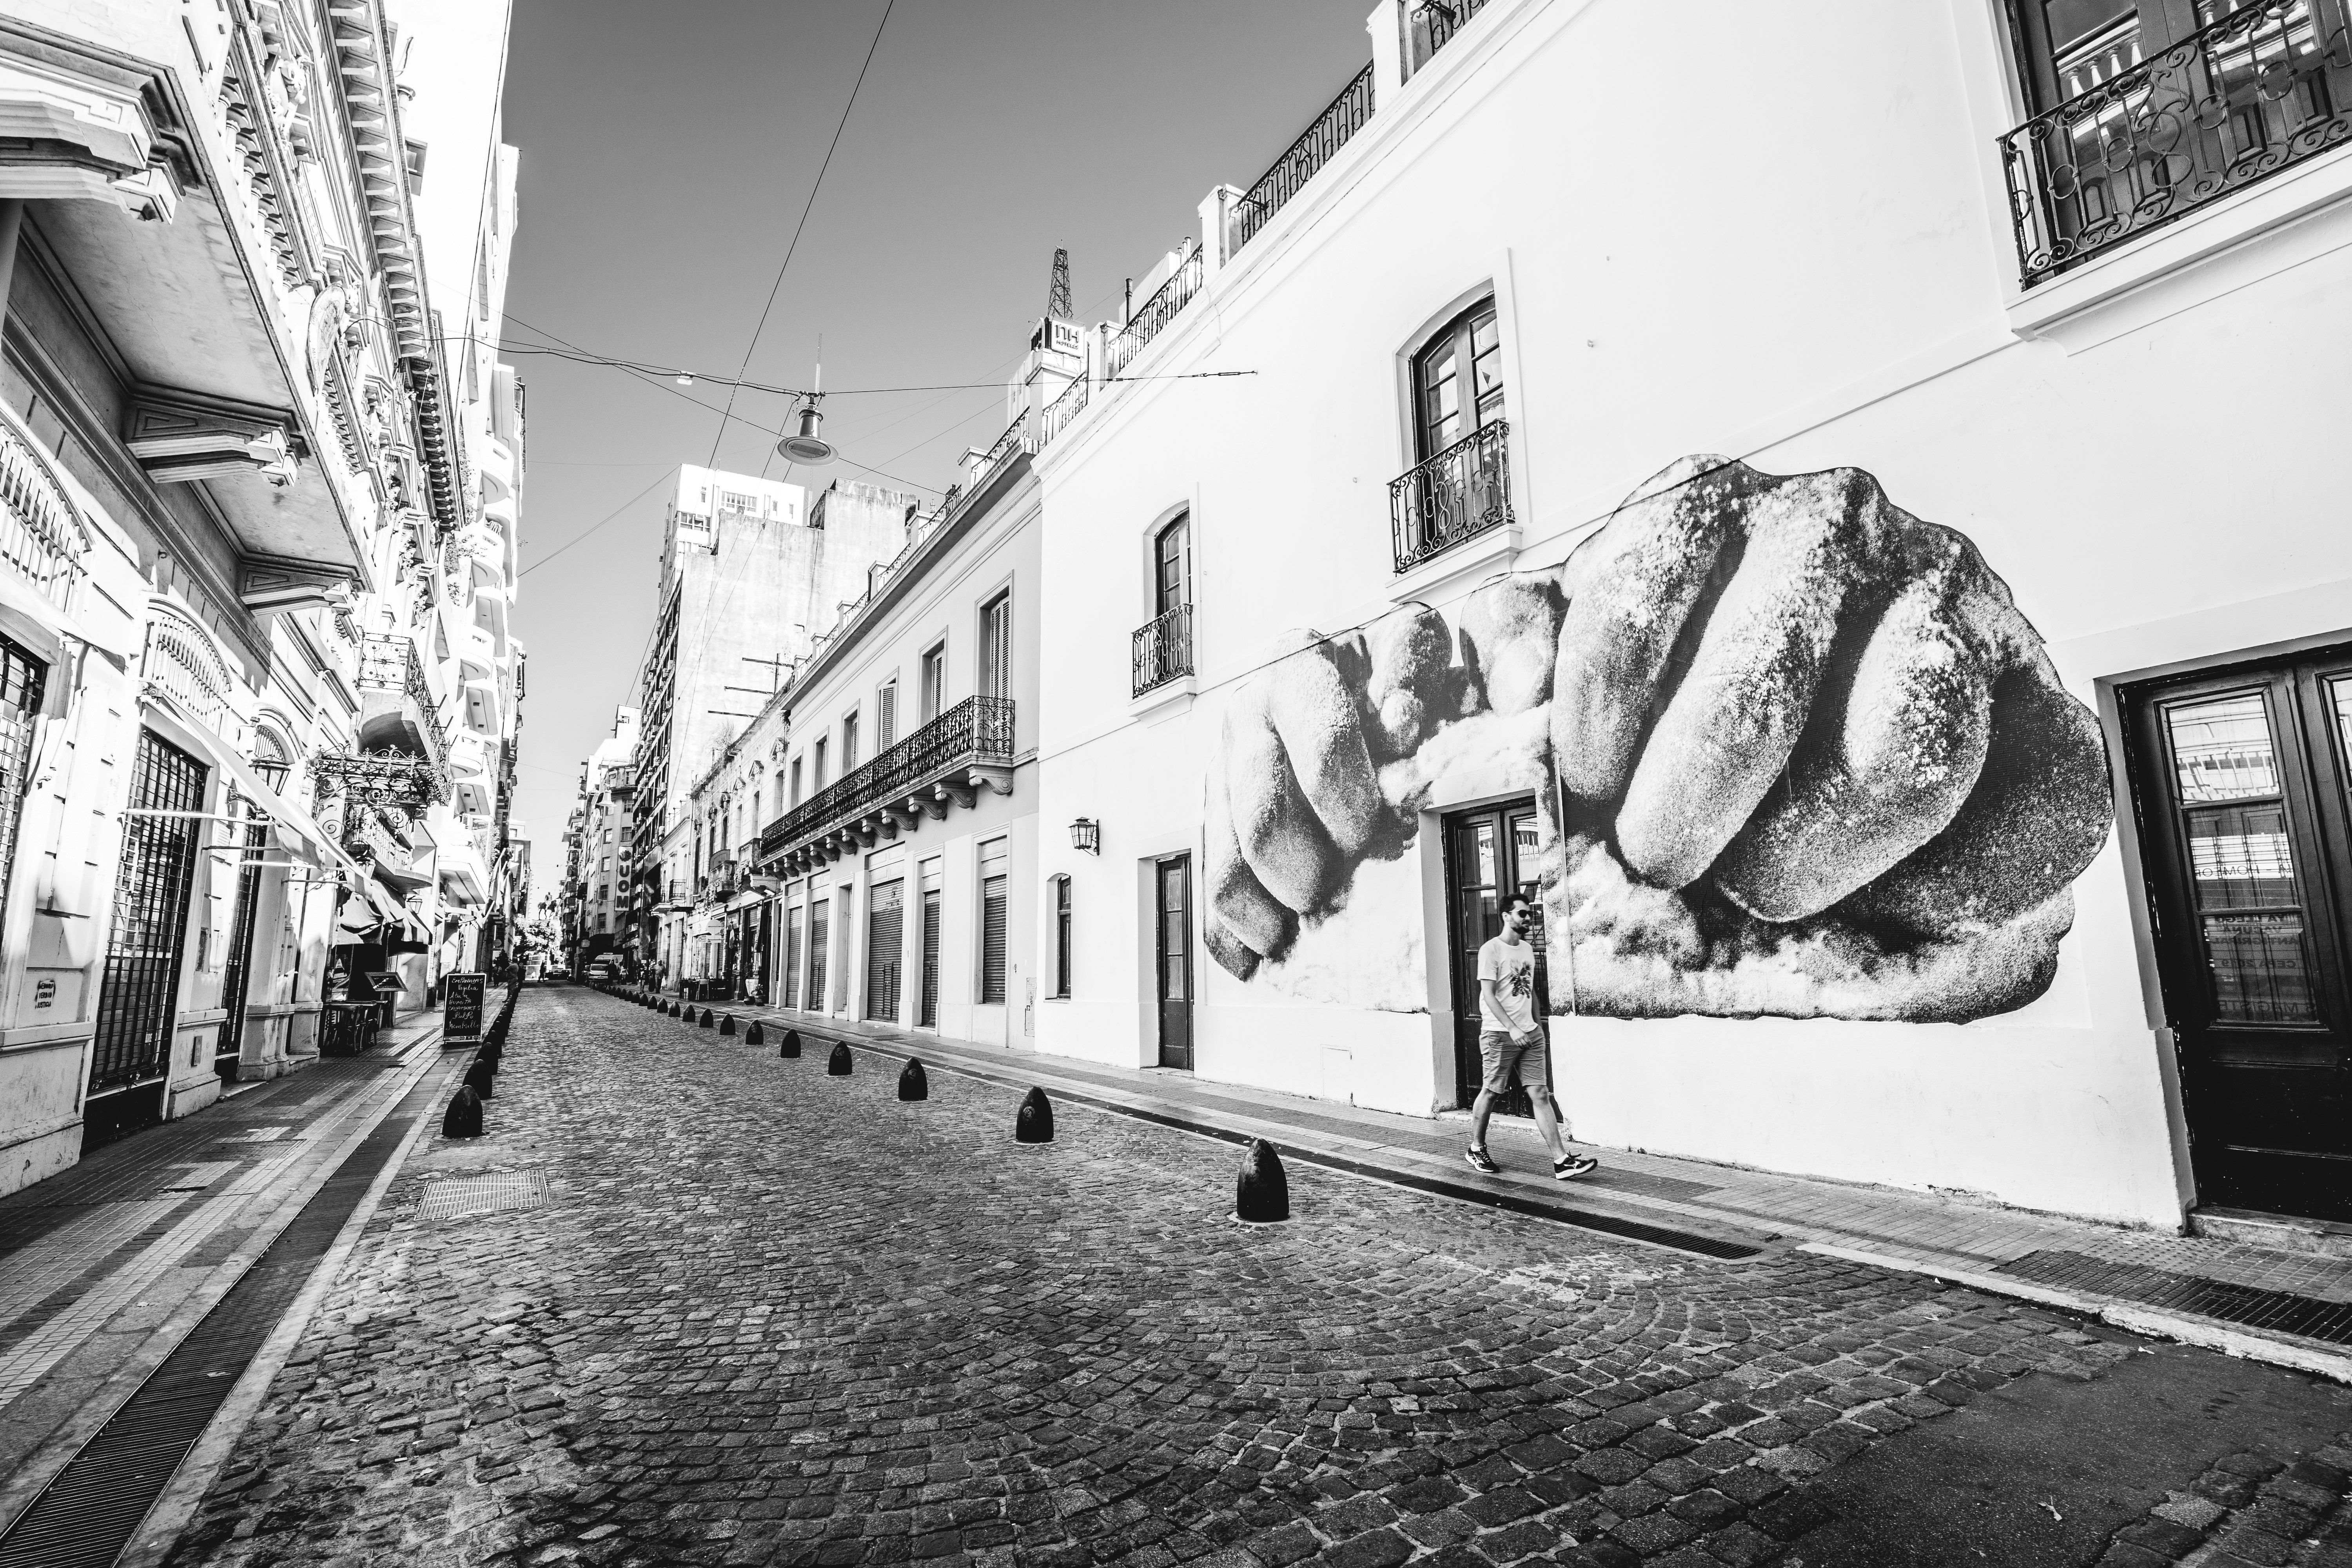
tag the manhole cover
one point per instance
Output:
(455, 1197)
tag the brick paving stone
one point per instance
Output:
(773, 1317)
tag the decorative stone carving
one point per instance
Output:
(179, 438)
(271, 585)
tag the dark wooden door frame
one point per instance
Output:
(1182, 865)
(1461, 979)
(2221, 1062)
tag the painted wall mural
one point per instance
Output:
(1795, 751)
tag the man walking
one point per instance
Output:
(1509, 1042)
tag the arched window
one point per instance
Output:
(1171, 566)
(1457, 381)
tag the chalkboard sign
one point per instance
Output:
(461, 1008)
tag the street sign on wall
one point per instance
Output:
(461, 1008)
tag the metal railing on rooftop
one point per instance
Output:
(1146, 320)
(1068, 405)
(1431, 27)
(1330, 131)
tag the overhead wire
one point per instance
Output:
(807, 207)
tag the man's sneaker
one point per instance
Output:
(1573, 1166)
(1480, 1163)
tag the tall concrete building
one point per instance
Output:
(597, 844)
(754, 575)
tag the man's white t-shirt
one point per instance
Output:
(1512, 967)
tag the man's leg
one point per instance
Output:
(1480, 1108)
(1536, 1076)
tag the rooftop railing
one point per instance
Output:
(1144, 324)
(1431, 27)
(1330, 131)
(2255, 92)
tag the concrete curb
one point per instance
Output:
(34, 1475)
(2314, 1356)
(176, 1504)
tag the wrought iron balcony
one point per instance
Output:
(41, 532)
(2262, 90)
(389, 673)
(1330, 131)
(945, 759)
(1144, 322)
(1163, 649)
(1460, 493)
(1433, 26)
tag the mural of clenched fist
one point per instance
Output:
(1811, 759)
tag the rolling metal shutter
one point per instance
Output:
(886, 949)
(793, 958)
(928, 1006)
(820, 930)
(991, 940)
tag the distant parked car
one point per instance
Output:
(603, 971)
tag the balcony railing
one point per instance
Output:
(1144, 322)
(976, 730)
(2262, 90)
(1342, 118)
(1460, 493)
(1163, 649)
(1066, 408)
(389, 663)
(1433, 26)
(41, 532)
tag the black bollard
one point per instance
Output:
(480, 1078)
(1260, 1193)
(912, 1082)
(727, 1025)
(838, 1064)
(494, 1055)
(674, 1010)
(790, 1048)
(755, 1036)
(464, 1117)
(709, 1019)
(1035, 1122)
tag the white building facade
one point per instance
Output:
(1768, 534)
(236, 465)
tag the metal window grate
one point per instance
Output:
(150, 913)
(22, 677)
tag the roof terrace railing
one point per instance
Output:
(1330, 131)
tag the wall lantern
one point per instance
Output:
(1086, 835)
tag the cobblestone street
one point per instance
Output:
(687, 1302)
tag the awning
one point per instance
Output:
(294, 824)
(400, 881)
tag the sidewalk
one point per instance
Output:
(2290, 1308)
(107, 1267)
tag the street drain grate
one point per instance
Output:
(2274, 1311)
(460, 1197)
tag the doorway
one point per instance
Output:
(1173, 947)
(2244, 800)
(139, 989)
(1490, 854)
(237, 978)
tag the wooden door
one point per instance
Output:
(1490, 853)
(2242, 792)
(1173, 947)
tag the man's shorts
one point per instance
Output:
(1503, 1057)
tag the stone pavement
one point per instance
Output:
(105, 1266)
(2290, 1306)
(689, 1303)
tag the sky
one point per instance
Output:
(667, 153)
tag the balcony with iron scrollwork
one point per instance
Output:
(1147, 320)
(1315, 146)
(2264, 89)
(397, 711)
(1460, 493)
(945, 763)
(1162, 651)
(1431, 26)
